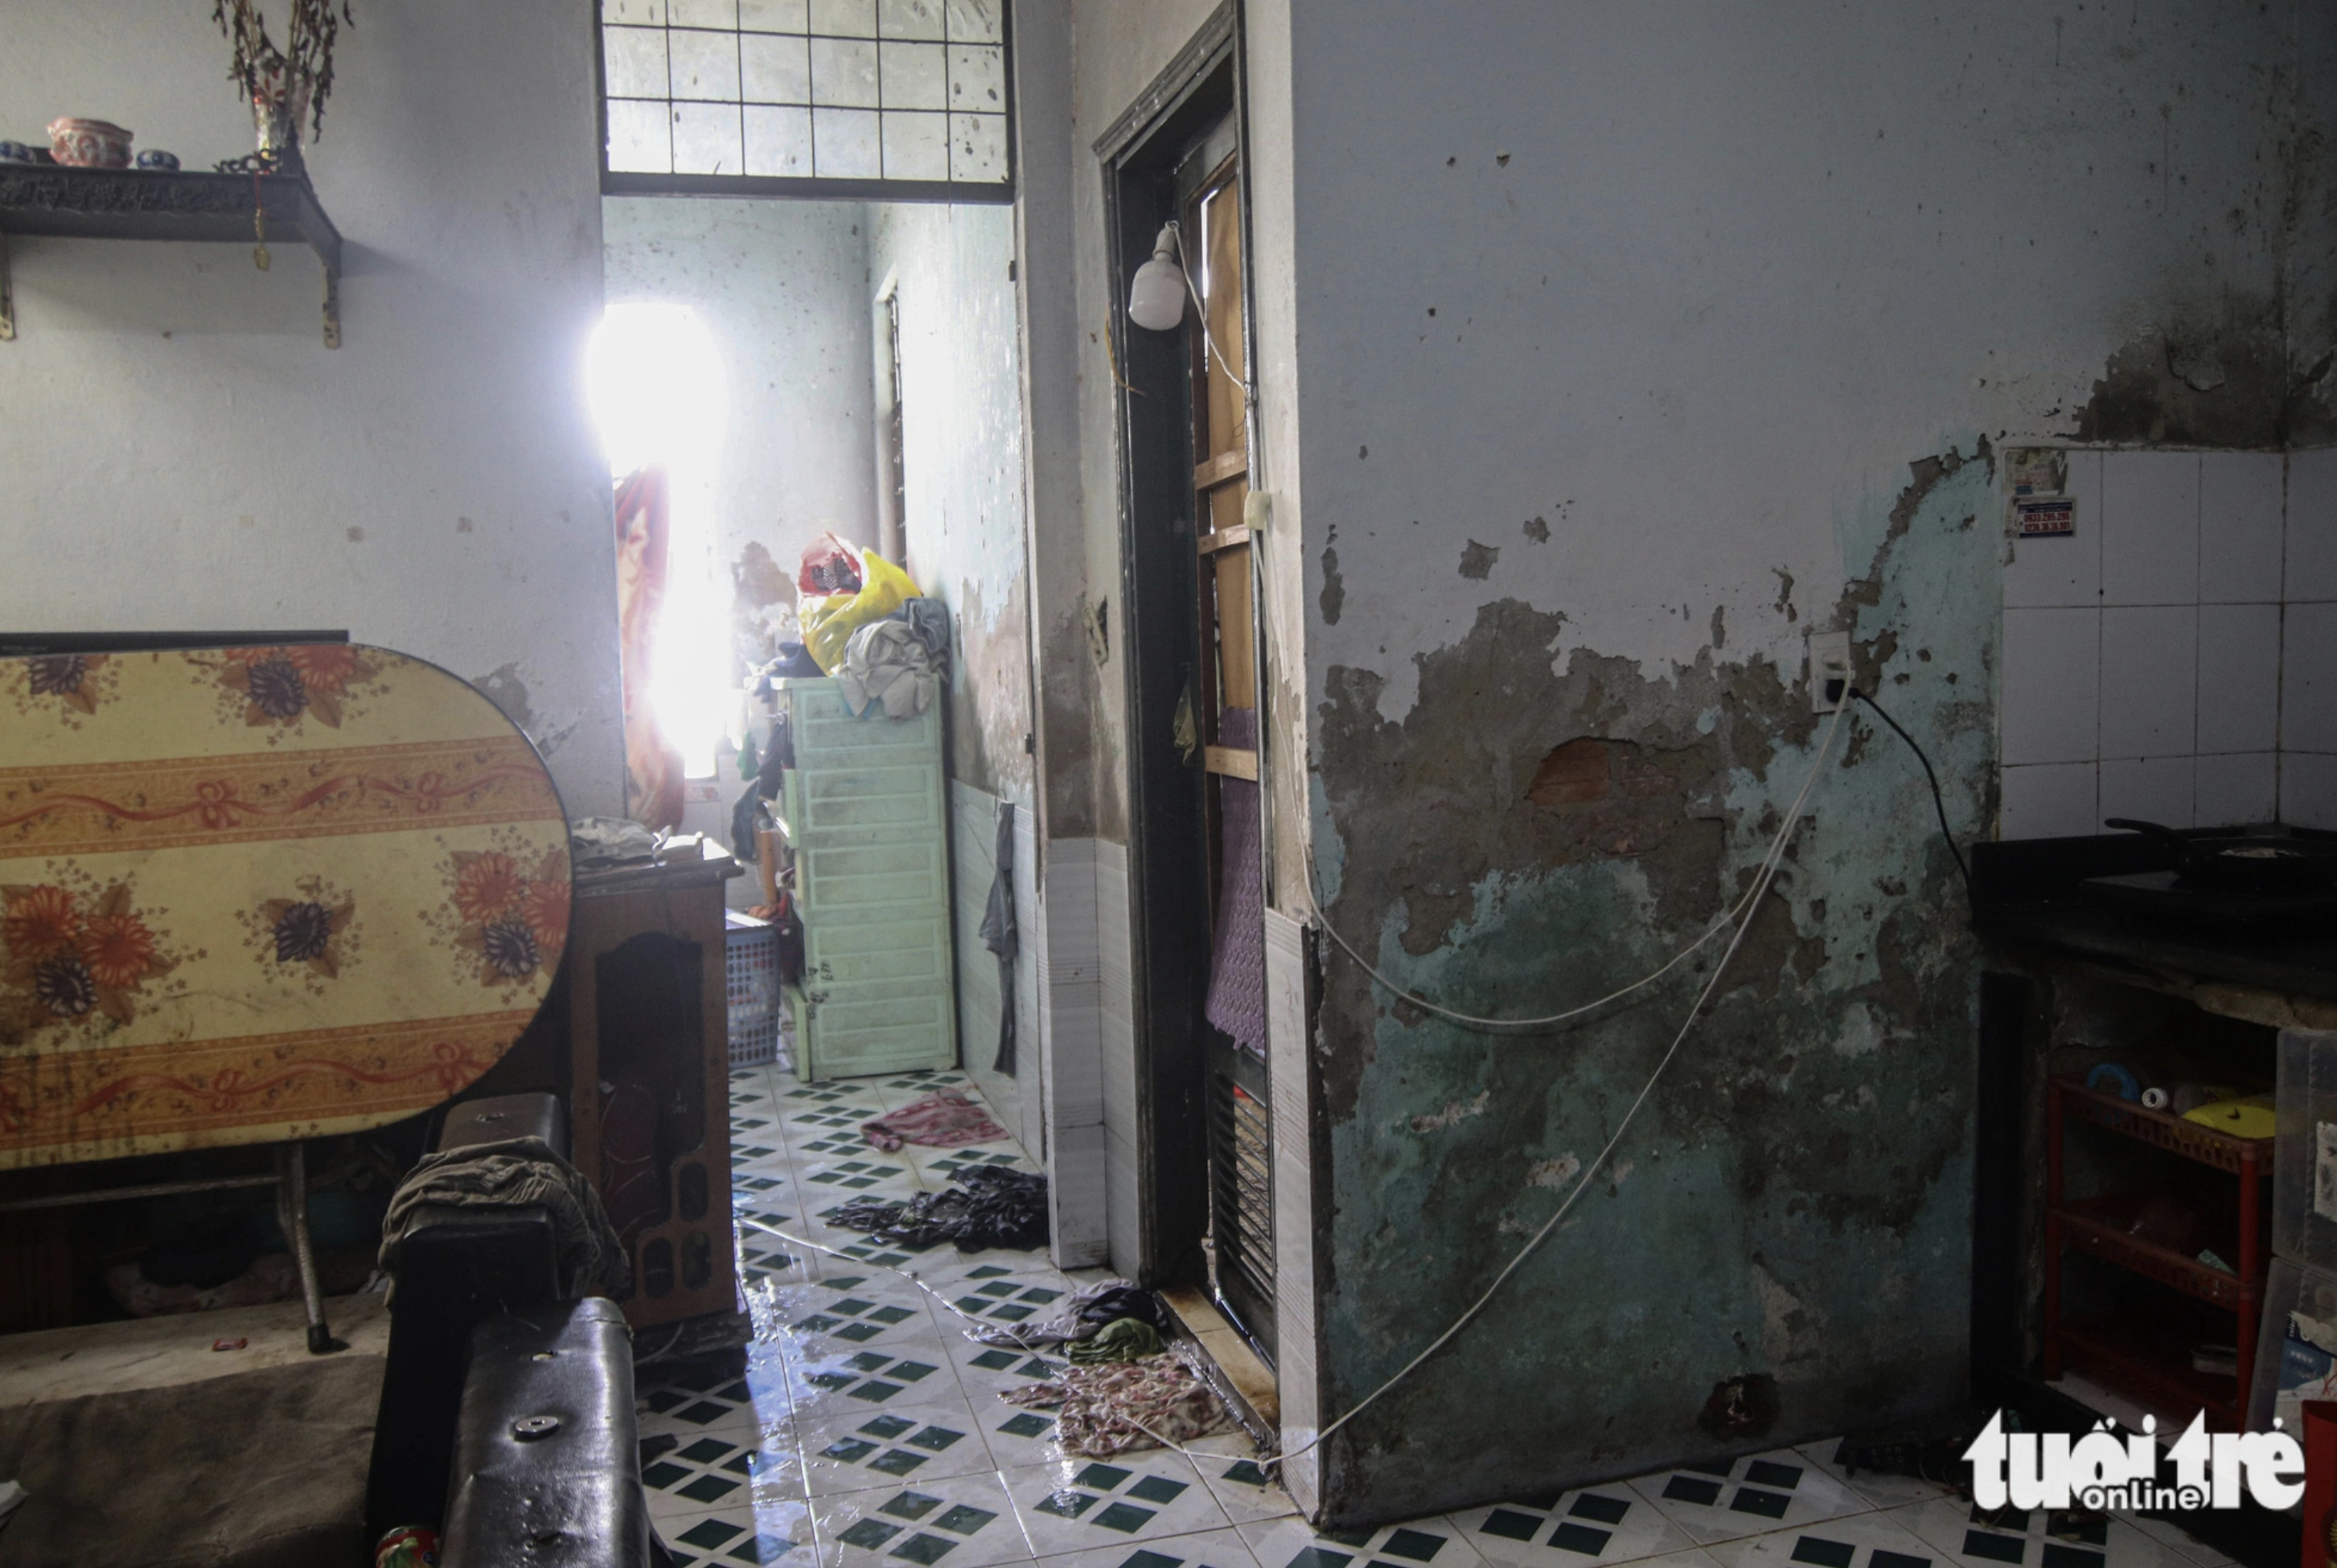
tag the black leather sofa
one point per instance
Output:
(506, 1420)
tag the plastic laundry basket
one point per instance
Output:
(751, 972)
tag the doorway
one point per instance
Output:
(1188, 594)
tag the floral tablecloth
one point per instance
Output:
(256, 893)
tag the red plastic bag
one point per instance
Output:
(829, 566)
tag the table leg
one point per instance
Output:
(292, 1214)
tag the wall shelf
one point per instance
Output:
(51, 201)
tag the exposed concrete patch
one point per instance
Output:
(1333, 598)
(1539, 825)
(1536, 529)
(759, 580)
(1790, 1332)
(1477, 560)
(762, 604)
(1558, 1172)
(2215, 374)
(504, 688)
(1740, 1407)
(990, 692)
(1451, 1116)
(1069, 693)
(1470, 784)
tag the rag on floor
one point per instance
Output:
(1104, 1411)
(945, 1119)
(1121, 1340)
(1081, 1317)
(517, 1173)
(990, 1207)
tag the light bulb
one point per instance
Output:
(1155, 300)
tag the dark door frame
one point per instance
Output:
(1159, 645)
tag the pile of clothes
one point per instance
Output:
(1127, 1386)
(987, 1206)
(1111, 1407)
(945, 1119)
(898, 661)
(1083, 1316)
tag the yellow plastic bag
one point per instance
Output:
(829, 619)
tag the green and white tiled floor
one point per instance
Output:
(865, 1431)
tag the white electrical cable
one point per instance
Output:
(768, 1228)
(1722, 924)
(1306, 894)
(1202, 311)
(1760, 885)
(1749, 905)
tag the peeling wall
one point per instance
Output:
(182, 451)
(1631, 347)
(1048, 164)
(1117, 50)
(783, 286)
(951, 269)
(963, 466)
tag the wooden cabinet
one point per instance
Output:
(650, 1059)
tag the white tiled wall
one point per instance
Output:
(1117, 1048)
(1070, 986)
(2176, 659)
(2307, 660)
(1296, 1326)
(974, 839)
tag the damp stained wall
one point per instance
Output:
(1631, 346)
(952, 270)
(182, 451)
(1117, 50)
(783, 287)
(1078, 65)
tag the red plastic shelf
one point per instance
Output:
(2139, 1359)
(2100, 1226)
(2163, 1129)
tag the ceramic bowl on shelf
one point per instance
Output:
(17, 152)
(158, 161)
(89, 143)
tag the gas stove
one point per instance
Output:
(2165, 899)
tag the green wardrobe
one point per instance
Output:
(866, 811)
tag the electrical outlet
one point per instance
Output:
(1829, 670)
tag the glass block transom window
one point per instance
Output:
(823, 90)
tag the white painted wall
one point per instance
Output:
(1117, 50)
(962, 479)
(1693, 286)
(1704, 282)
(783, 287)
(181, 451)
(951, 272)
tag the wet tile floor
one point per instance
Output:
(866, 1430)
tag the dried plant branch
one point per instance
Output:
(273, 75)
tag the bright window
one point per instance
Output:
(878, 98)
(656, 384)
